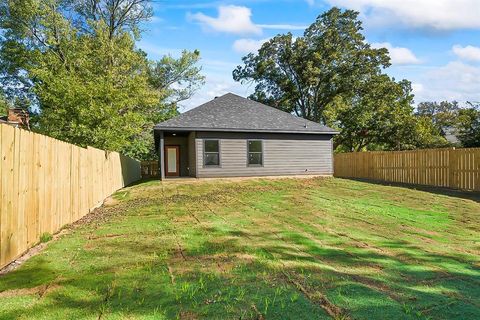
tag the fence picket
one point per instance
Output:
(46, 183)
(453, 168)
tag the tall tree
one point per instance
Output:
(305, 74)
(468, 126)
(33, 28)
(77, 61)
(377, 117)
(331, 75)
(178, 79)
(118, 15)
(99, 96)
(443, 114)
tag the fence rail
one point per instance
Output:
(46, 183)
(452, 168)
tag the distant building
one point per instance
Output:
(17, 117)
(451, 136)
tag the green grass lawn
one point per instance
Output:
(259, 249)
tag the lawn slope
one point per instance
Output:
(259, 249)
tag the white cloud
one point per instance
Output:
(310, 2)
(237, 20)
(417, 88)
(231, 19)
(398, 55)
(453, 81)
(469, 53)
(248, 45)
(434, 14)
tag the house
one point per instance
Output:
(17, 117)
(231, 136)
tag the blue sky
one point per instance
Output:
(433, 43)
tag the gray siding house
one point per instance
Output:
(232, 136)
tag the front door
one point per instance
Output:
(172, 161)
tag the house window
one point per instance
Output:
(255, 153)
(211, 155)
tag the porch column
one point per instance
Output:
(161, 155)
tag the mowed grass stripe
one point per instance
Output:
(263, 248)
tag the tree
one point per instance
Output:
(33, 28)
(381, 118)
(118, 15)
(331, 75)
(86, 80)
(100, 95)
(178, 79)
(443, 115)
(468, 126)
(305, 74)
(377, 117)
(3, 104)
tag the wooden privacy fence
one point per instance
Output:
(150, 168)
(46, 184)
(452, 168)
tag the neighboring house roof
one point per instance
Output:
(233, 113)
(451, 135)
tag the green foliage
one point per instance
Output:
(306, 74)
(468, 127)
(363, 250)
(100, 95)
(3, 104)
(178, 78)
(427, 135)
(331, 75)
(45, 237)
(86, 79)
(443, 115)
(381, 117)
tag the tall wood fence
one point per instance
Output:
(46, 184)
(452, 168)
(150, 169)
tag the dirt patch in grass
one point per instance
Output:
(40, 291)
(316, 297)
(187, 315)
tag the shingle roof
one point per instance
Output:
(237, 114)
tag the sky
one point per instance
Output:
(435, 44)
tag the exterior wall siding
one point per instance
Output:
(283, 154)
(192, 164)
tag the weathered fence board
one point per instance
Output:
(449, 167)
(46, 183)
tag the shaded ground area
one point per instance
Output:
(259, 249)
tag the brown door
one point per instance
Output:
(172, 161)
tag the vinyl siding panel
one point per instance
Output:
(192, 165)
(282, 155)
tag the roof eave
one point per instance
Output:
(161, 128)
